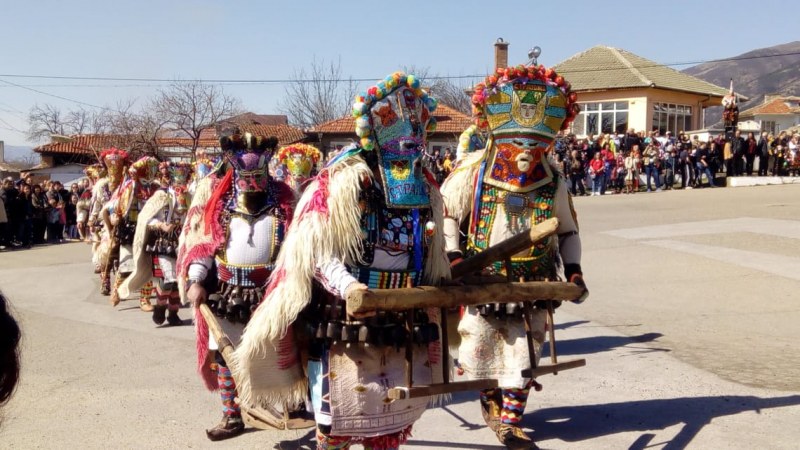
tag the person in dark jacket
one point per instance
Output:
(40, 209)
(750, 153)
(763, 154)
(738, 150)
(9, 195)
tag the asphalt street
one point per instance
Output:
(690, 336)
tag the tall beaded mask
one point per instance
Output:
(523, 108)
(393, 119)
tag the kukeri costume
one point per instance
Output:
(501, 191)
(124, 208)
(297, 163)
(155, 243)
(372, 217)
(84, 205)
(115, 162)
(232, 235)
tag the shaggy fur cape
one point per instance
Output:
(202, 236)
(143, 269)
(267, 364)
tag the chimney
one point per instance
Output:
(770, 97)
(500, 54)
(2, 152)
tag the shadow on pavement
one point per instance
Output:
(600, 344)
(575, 323)
(581, 423)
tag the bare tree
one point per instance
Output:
(452, 94)
(25, 162)
(446, 91)
(44, 120)
(136, 131)
(190, 107)
(318, 94)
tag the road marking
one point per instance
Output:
(784, 266)
(774, 227)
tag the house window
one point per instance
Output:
(671, 117)
(601, 117)
(769, 126)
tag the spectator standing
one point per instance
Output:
(40, 209)
(684, 165)
(55, 231)
(650, 160)
(576, 173)
(670, 164)
(24, 232)
(71, 216)
(609, 161)
(630, 140)
(3, 225)
(763, 154)
(9, 195)
(597, 169)
(620, 171)
(738, 150)
(750, 152)
(703, 166)
(632, 170)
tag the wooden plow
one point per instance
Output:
(476, 290)
(264, 416)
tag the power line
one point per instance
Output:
(51, 95)
(363, 79)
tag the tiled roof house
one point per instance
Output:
(618, 90)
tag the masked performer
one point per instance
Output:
(84, 205)
(155, 243)
(372, 218)
(298, 163)
(231, 238)
(501, 191)
(115, 162)
(120, 215)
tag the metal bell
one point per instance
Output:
(512, 309)
(320, 333)
(334, 331)
(363, 334)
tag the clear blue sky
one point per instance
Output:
(268, 39)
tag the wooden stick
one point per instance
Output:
(506, 249)
(364, 301)
(553, 368)
(400, 393)
(410, 340)
(223, 342)
(445, 343)
(552, 329)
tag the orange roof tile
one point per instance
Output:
(448, 120)
(88, 144)
(778, 105)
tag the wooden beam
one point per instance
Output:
(401, 393)
(367, 301)
(506, 249)
(554, 368)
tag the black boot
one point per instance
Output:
(159, 314)
(173, 318)
(227, 428)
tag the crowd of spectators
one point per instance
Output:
(651, 162)
(38, 213)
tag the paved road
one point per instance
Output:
(689, 335)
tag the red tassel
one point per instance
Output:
(201, 340)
